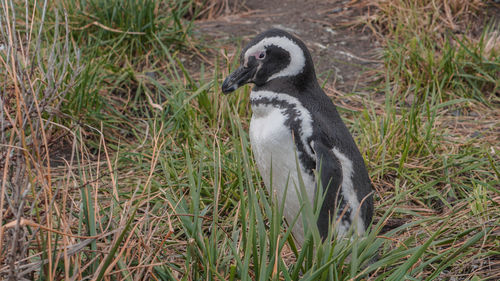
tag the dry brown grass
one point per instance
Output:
(428, 16)
(44, 200)
(30, 103)
(398, 20)
(211, 9)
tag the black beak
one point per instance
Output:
(238, 78)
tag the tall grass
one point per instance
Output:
(118, 164)
(452, 59)
(131, 24)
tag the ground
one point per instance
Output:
(340, 50)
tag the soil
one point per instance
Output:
(340, 49)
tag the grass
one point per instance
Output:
(458, 59)
(119, 163)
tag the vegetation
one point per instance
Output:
(120, 162)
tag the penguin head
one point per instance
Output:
(273, 54)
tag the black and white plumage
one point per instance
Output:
(293, 116)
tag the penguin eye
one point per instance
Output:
(262, 55)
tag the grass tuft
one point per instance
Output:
(460, 57)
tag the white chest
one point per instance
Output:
(275, 153)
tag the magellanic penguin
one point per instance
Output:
(292, 120)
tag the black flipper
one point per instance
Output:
(330, 171)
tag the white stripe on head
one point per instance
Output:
(297, 57)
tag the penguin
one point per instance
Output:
(293, 121)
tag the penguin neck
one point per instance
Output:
(294, 86)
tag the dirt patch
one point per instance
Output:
(340, 51)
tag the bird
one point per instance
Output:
(294, 121)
